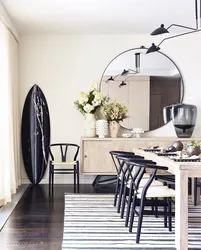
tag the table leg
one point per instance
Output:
(195, 192)
(181, 210)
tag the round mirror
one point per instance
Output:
(148, 84)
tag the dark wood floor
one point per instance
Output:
(37, 220)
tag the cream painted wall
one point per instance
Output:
(64, 65)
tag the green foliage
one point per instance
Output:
(194, 144)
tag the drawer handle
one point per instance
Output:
(85, 156)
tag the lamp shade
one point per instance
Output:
(153, 48)
(110, 79)
(122, 84)
(125, 72)
(159, 31)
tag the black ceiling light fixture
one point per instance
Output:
(162, 30)
(111, 79)
(126, 72)
(123, 83)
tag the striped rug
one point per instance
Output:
(91, 222)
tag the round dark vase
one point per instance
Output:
(193, 150)
(178, 145)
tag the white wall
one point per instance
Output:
(64, 65)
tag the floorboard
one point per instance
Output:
(37, 220)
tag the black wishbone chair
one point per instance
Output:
(144, 195)
(128, 171)
(120, 174)
(68, 153)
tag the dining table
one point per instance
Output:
(182, 171)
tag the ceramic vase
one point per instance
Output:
(101, 128)
(193, 150)
(114, 128)
(90, 125)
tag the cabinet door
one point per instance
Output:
(96, 158)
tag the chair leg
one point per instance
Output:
(74, 177)
(156, 209)
(170, 215)
(123, 201)
(120, 196)
(78, 177)
(50, 172)
(128, 207)
(140, 221)
(165, 212)
(195, 191)
(132, 214)
(116, 191)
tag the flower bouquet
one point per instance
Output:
(87, 104)
(90, 101)
(114, 112)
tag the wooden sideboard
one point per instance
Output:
(96, 160)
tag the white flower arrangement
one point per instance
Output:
(137, 131)
(90, 101)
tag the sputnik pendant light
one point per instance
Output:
(126, 72)
(123, 83)
(163, 30)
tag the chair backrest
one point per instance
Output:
(65, 151)
(126, 169)
(116, 162)
(137, 176)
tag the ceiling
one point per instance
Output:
(98, 16)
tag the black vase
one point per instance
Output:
(184, 118)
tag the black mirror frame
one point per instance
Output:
(141, 48)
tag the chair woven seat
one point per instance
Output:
(144, 181)
(157, 192)
(64, 163)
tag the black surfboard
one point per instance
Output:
(35, 134)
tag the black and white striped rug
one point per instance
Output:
(91, 222)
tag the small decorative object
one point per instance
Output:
(137, 132)
(102, 128)
(114, 112)
(184, 118)
(178, 145)
(87, 104)
(171, 149)
(193, 148)
(114, 128)
(90, 125)
(126, 135)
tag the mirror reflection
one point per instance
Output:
(146, 84)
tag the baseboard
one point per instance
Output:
(6, 210)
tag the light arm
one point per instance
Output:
(167, 38)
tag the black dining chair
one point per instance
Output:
(119, 168)
(126, 179)
(148, 195)
(64, 161)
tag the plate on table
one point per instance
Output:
(167, 154)
(185, 158)
(151, 149)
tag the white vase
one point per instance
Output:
(114, 128)
(101, 128)
(90, 125)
